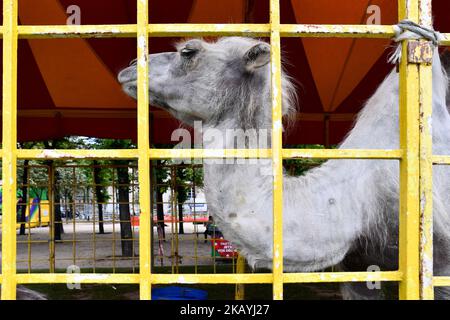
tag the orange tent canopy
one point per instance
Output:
(69, 86)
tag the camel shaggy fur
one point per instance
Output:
(344, 212)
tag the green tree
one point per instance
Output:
(161, 178)
(185, 178)
(101, 194)
(123, 181)
(298, 167)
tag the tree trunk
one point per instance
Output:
(70, 205)
(23, 208)
(126, 232)
(99, 196)
(159, 202)
(180, 218)
(59, 229)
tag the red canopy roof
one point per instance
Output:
(69, 86)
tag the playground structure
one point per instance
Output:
(37, 211)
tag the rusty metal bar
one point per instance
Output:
(409, 165)
(426, 164)
(9, 144)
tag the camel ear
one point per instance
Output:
(257, 56)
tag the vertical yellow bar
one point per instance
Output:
(240, 287)
(277, 145)
(426, 167)
(51, 196)
(409, 165)
(143, 147)
(9, 164)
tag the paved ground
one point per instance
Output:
(88, 249)
(78, 248)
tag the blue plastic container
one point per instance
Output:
(178, 293)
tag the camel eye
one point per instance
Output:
(188, 53)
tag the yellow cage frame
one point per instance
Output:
(415, 273)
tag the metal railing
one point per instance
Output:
(415, 153)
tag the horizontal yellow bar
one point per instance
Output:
(218, 278)
(267, 153)
(202, 30)
(337, 31)
(441, 159)
(197, 30)
(77, 154)
(77, 31)
(208, 153)
(446, 41)
(287, 277)
(342, 154)
(212, 278)
(155, 30)
(342, 277)
(77, 278)
(441, 281)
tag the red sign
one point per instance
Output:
(225, 249)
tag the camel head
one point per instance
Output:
(226, 80)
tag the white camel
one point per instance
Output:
(344, 212)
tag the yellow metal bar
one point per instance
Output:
(212, 278)
(77, 31)
(342, 154)
(28, 278)
(277, 145)
(446, 40)
(413, 144)
(342, 277)
(441, 160)
(240, 269)
(313, 277)
(212, 153)
(201, 30)
(143, 149)
(51, 231)
(409, 165)
(9, 163)
(337, 31)
(77, 154)
(426, 167)
(209, 153)
(211, 30)
(441, 281)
